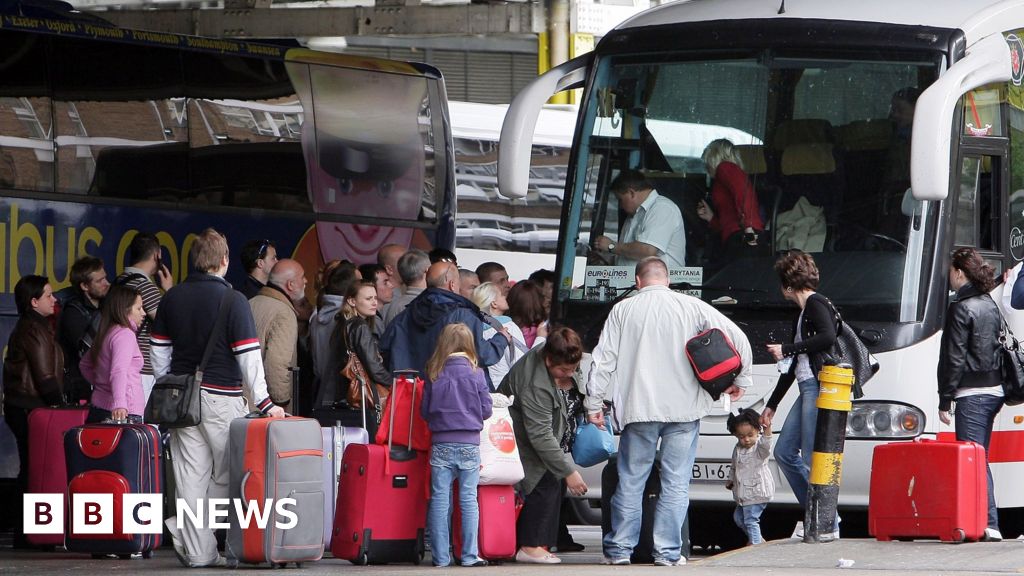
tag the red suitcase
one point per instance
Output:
(496, 535)
(928, 489)
(382, 502)
(116, 459)
(47, 473)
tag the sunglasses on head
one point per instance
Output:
(264, 246)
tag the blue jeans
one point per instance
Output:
(973, 421)
(748, 518)
(450, 461)
(795, 445)
(638, 446)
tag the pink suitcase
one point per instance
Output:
(928, 489)
(47, 472)
(496, 535)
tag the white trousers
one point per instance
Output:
(199, 454)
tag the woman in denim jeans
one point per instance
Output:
(969, 361)
(814, 334)
(456, 401)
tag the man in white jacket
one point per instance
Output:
(640, 361)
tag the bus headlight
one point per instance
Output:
(884, 420)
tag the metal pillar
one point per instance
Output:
(827, 460)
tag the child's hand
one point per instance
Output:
(728, 485)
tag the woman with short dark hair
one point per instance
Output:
(548, 389)
(814, 334)
(526, 308)
(33, 372)
(969, 371)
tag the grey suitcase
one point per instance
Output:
(335, 440)
(272, 459)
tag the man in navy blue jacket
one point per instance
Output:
(411, 338)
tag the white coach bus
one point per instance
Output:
(889, 132)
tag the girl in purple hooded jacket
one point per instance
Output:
(456, 401)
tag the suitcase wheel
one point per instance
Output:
(147, 554)
(361, 560)
(959, 535)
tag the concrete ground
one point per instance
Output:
(788, 557)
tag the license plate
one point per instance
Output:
(711, 471)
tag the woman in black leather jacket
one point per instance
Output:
(360, 312)
(969, 360)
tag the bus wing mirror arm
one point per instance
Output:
(516, 141)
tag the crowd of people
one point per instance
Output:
(469, 333)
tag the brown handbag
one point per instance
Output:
(358, 384)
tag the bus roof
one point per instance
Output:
(977, 18)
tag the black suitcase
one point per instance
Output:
(643, 553)
(345, 416)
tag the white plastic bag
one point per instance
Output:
(499, 455)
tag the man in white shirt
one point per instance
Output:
(640, 365)
(654, 226)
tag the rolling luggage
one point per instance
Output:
(928, 489)
(496, 534)
(47, 471)
(271, 459)
(382, 500)
(335, 440)
(115, 459)
(643, 552)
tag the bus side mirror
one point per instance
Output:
(516, 142)
(931, 149)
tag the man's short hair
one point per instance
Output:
(412, 266)
(629, 179)
(442, 255)
(651, 266)
(542, 277)
(252, 251)
(484, 271)
(143, 246)
(468, 275)
(209, 250)
(83, 268)
(370, 271)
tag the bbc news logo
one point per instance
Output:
(143, 513)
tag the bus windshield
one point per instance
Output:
(824, 143)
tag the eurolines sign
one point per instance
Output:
(143, 513)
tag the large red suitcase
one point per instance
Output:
(47, 472)
(496, 535)
(382, 501)
(928, 489)
(270, 459)
(115, 459)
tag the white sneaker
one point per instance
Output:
(666, 562)
(992, 535)
(798, 531)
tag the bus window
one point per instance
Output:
(977, 223)
(983, 111)
(90, 116)
(26, 152)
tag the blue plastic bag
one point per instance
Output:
(593, 445)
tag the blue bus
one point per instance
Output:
(105, 132)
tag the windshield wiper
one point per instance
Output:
(716, 288)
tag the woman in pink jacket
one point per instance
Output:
(114, 364)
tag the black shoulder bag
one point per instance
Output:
(850, 349)
(174, 402)
(1012, 357)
